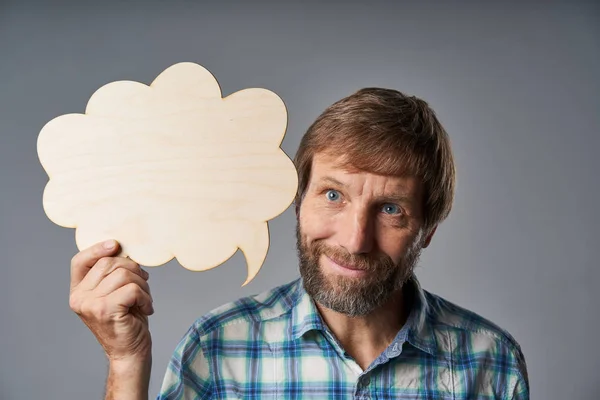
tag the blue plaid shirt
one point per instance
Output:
(275, 346)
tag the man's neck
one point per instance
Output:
(366, 337)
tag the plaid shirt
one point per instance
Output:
(275, 346)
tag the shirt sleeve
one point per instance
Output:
(521, 387)
(521, 390)
(188, 373)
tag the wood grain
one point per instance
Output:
(171, 170)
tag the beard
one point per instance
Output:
(348, 295)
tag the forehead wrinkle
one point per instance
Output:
(391, 189)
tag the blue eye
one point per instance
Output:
(333, 195)
(390, 209)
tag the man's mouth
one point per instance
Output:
(345, 265)
(344, 268)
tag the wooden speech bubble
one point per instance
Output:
(171, 170)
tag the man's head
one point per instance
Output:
(376, 177)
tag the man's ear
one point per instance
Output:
(429, 237)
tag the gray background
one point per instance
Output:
(516, 85)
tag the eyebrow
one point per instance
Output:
(332, 181)
(393, 198)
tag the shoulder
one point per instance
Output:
(471, 341)
(463, 325)
(268, 305)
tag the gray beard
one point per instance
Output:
(354, 296)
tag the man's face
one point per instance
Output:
(359, 236)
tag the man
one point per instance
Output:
(376, 178)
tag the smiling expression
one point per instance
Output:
(359, 235)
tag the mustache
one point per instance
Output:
(369, 263)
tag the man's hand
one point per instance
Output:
(112, 297)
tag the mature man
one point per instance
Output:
(376, 178)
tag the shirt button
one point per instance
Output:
(365, 380)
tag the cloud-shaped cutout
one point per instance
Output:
(171, 170)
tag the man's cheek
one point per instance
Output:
(318, 231)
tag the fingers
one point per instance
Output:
(132, 295)
(119, 278)
(86, 259)
(105, 267)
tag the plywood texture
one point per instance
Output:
(171, 170)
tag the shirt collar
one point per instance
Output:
(305, 316)
(417, 330)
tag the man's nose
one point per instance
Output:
(358, 232)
